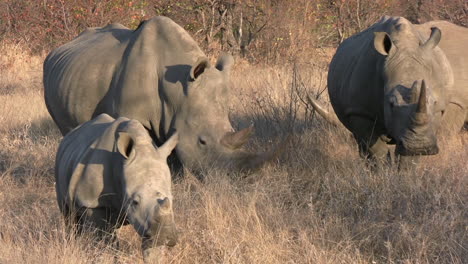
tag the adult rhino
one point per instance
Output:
(157, 75)
(400, 83)
(109, 173)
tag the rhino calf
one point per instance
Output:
(109, 173)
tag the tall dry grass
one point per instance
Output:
(318, 204)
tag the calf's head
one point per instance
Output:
(146, 185)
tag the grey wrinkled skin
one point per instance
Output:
(399, 83)
(109, 173)
(157, 75)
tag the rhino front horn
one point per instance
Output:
(251, 162)
(235, 140)
(420, 117)
(164, 205)
(422, 102)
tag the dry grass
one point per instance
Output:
(318, 204)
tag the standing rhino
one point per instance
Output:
(399, 83)
(109, 173)
(157, 75)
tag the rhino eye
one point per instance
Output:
(136, 201)
(392, 101)
(201, 141)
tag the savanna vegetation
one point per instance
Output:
(318, 203)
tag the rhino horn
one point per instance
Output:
(251, 162)
(414, 93)
(434, 39)
(235, 140)
(422, 102)
(421, 108)
(324, 113)
(164, 204)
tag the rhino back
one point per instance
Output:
(154, 69)
(117, 71)
(453, 44)
(78, 74)
(354, 79)
(84, 164)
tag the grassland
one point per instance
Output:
(318, 203)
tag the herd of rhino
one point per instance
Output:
(126, 99)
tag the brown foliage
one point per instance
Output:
(269, 31)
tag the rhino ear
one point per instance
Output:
(125, 145)
(166, 149)
(199, 67)
(434, 39)
(382, 43)
(225, 63)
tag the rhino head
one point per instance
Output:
(206, 137)
(414, 76)
(146, 185)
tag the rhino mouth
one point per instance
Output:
(169, 240)
(426, 151)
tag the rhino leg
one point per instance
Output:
(371, 145)
(99, 222)
(407, 163)
(453, 119)
(70, 219)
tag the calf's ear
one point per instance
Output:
(199, 67)
(166, 149)
(225, 63)
(125, 145)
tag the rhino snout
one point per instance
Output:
(162, 232)
(165, 236)
(418, 146)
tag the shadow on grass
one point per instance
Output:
(309, 138)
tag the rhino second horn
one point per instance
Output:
(235, 140)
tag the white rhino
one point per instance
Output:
(400, 83)
(109, 173)
(157, 75)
